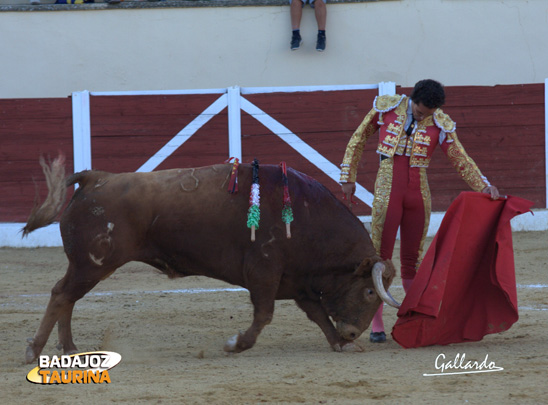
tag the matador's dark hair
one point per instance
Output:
(428, 92)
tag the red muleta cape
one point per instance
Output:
(465, 287)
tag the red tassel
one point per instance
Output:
(287, 199)
(287, 213)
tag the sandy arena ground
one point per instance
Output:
(171, 344)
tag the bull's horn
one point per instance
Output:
(378, 269)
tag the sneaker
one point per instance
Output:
(320, 43)
(377, 337)
(296, 41)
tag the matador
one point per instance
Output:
(409, 128)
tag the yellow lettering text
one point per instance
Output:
(44, 374)
(95, 377)
(55, 378)
(77, 376)
(104, 377)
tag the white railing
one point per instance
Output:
(229, 97)
(232, 98)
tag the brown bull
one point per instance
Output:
(184, 222)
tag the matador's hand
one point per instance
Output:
(348, 190)
(493, 191)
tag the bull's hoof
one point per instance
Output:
(68, 350)
(30, 357)
(350, 347)
(231, 344)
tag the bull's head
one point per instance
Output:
(353, 306)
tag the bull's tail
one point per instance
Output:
(45, 213)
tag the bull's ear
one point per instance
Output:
(365, 266)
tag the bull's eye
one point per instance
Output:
(370, 291)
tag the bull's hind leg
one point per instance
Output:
(64, 295)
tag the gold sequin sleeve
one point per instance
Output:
(354, 149)
(464, 164)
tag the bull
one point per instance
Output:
(184, 222)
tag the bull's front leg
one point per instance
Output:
(262, 296)
(317, 314)
(262, 316)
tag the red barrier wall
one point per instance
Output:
(501, 127)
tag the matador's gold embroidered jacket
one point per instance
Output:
(389, 115)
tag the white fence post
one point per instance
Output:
(234, 123)
(546, 138)
(81, 131)
(387, 88)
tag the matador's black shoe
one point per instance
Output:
(377, 337)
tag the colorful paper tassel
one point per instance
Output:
(254, 212)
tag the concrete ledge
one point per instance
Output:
(11, 236)
(50, 236)
(49, 5)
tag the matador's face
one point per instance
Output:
(420, 111)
